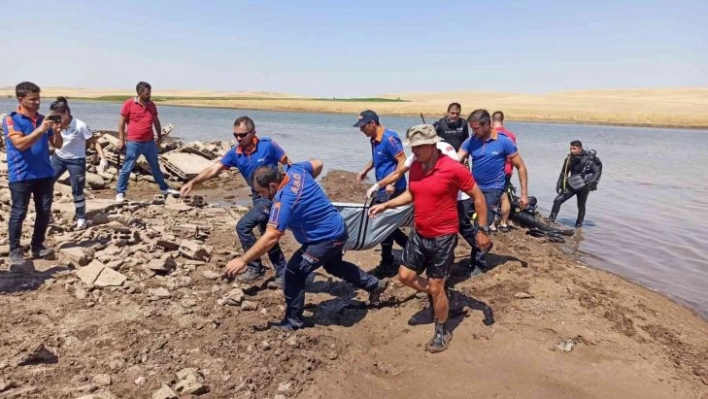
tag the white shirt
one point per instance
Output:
(74, 136)
(448, 150)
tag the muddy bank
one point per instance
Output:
(135, 307)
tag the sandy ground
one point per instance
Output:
(539, 325)
(686, 108)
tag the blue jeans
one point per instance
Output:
(493, 199)
(77, 176)
(308, 259)
(20, 193)
(258, 217)
(133, 151)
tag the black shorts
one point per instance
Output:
(434, 256)
(507, 181)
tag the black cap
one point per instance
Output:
(366, 117)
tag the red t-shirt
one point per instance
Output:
(508, 168)
(140, 119)
(435, 195)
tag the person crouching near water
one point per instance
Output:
(71, 156)
(300, 205)
(434, 181)
(579, 175)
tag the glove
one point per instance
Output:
(373, 190)
(103, 165)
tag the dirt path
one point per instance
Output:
(61, 338)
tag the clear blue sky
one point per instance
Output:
(356, 48)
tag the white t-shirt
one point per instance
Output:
(74, 136)
(448, 150)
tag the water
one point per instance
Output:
(645, 222)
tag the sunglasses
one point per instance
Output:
(242, 135)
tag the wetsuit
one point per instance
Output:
(589, 168)
(454, 133)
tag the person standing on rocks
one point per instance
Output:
(72, 155)
(28, 135)
(140, 116)
(250, 154)
(505, 202)
(489, 152)
(435, 180)
(387, 155)
(300, 204)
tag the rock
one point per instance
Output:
(292, 342)
(5, 384)
(161, 265)
(179, 207)
(279, 397)
(33, 354)
(160, 293)
(233, 298)
(90, 273)
(188, 303)
(285, 386)
(95, 181)
(164, 392)
(168, 244)
(265, 345)
(249, 306)
(211, 275)
(179, 282)
(78, 256)
(523, 295)
(110, 278)
(102, 380)
(566, 345)
(191, 382)
(139, 381)
(192, 250)
(99, 395)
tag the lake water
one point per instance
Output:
(647, 220)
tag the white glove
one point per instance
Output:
(103, 165)
(373, 190)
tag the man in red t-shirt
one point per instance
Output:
(498, 124)
(140, 114)
(435, 180)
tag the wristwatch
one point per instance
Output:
(485, 230)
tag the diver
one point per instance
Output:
(580, 175)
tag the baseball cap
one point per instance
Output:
(366, 117)
(421, 135)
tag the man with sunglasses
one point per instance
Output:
(387, 156)
(489, 152)
(250, 154)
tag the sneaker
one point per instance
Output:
(80, 223)
(504, 228)
(440, 340)
(276, 284)
(169, 191)
(120, 197)
(250, 275)
(42, 252)
(375, 294)
(17, 256)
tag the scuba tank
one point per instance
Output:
(587, 168)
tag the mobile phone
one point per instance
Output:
(54, 118)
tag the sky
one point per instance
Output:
(356, 48)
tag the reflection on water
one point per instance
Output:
(646, 221)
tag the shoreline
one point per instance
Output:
(318, 110)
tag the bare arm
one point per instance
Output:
(519, 164)
(23, 142)
(401, 170)
(368, 167)
(316, 167)
(262, 246)
(208, 173)
(121, 129)
(462, 155)
(99, 149)
(57, 140)
(285, 160)
(403, 199)
(158, 128)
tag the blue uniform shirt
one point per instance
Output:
(488, 159)
(265, 153)
(303, 207)
(384, 150)
(32, 163)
